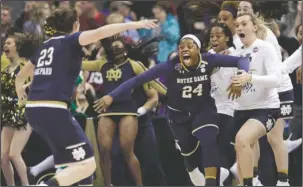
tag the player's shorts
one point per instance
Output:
(267, 117)
(64, 135)
(121, 108)
(183, 126)
(286, 104)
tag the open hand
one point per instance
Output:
(102, 104)
(234, 91)
(147, 24)
(241, 78)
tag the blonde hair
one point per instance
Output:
(115, 18)
(259, 23)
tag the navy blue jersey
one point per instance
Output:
(57, 66)
(187, 88)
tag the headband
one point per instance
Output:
(193, 37)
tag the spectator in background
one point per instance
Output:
(6, 23)
(25, 15)
(38, 15)
(169, 28)
(124, 8)
(132, 36)
(90, 17)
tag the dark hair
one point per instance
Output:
(255, 5)
(273, 9)
(230, 6)
(26, 43)
(227, 33)
(62, 20)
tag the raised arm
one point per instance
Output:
(147, 76)
(218, 60)
(91, 36)
(294, 61)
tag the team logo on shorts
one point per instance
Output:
(286, 110)
(269, 123)
(79, 153)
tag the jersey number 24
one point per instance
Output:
(46, 57)
(188, 91)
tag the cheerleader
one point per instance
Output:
(15, 132)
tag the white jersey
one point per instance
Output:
(220, 81)
(294, 61)
(265, 67)
(286, 83)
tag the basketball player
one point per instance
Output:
(191, 109)
(258, 106)
(55, 67)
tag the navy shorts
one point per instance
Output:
(121, 108)
(286, 104)
(183, 126)
(267, 117)
(62, 132)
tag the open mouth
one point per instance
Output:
(6, 51)
(242, 35)
(215, 45)
(186, 58)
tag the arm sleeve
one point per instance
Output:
(139, 68)
(147, 76)
(94, 65)
(272, 66)
(218, 60)
(294, 61)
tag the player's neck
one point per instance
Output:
(251, 40)
(120, 61)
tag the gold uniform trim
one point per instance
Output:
(119, 114)
(51, 104)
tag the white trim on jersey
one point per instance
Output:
(54, 38)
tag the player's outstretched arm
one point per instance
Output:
(294, 61)
(155, 72)
(91, 36)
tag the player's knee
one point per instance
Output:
(127, 150)
(207, 135)
(105, 144)
(14, 155)
(241, 141)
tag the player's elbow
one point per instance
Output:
(89, 37)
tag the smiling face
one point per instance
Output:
(245, 7)
(218, 39)
(10, 48)
(246, 29)
(189, 52)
